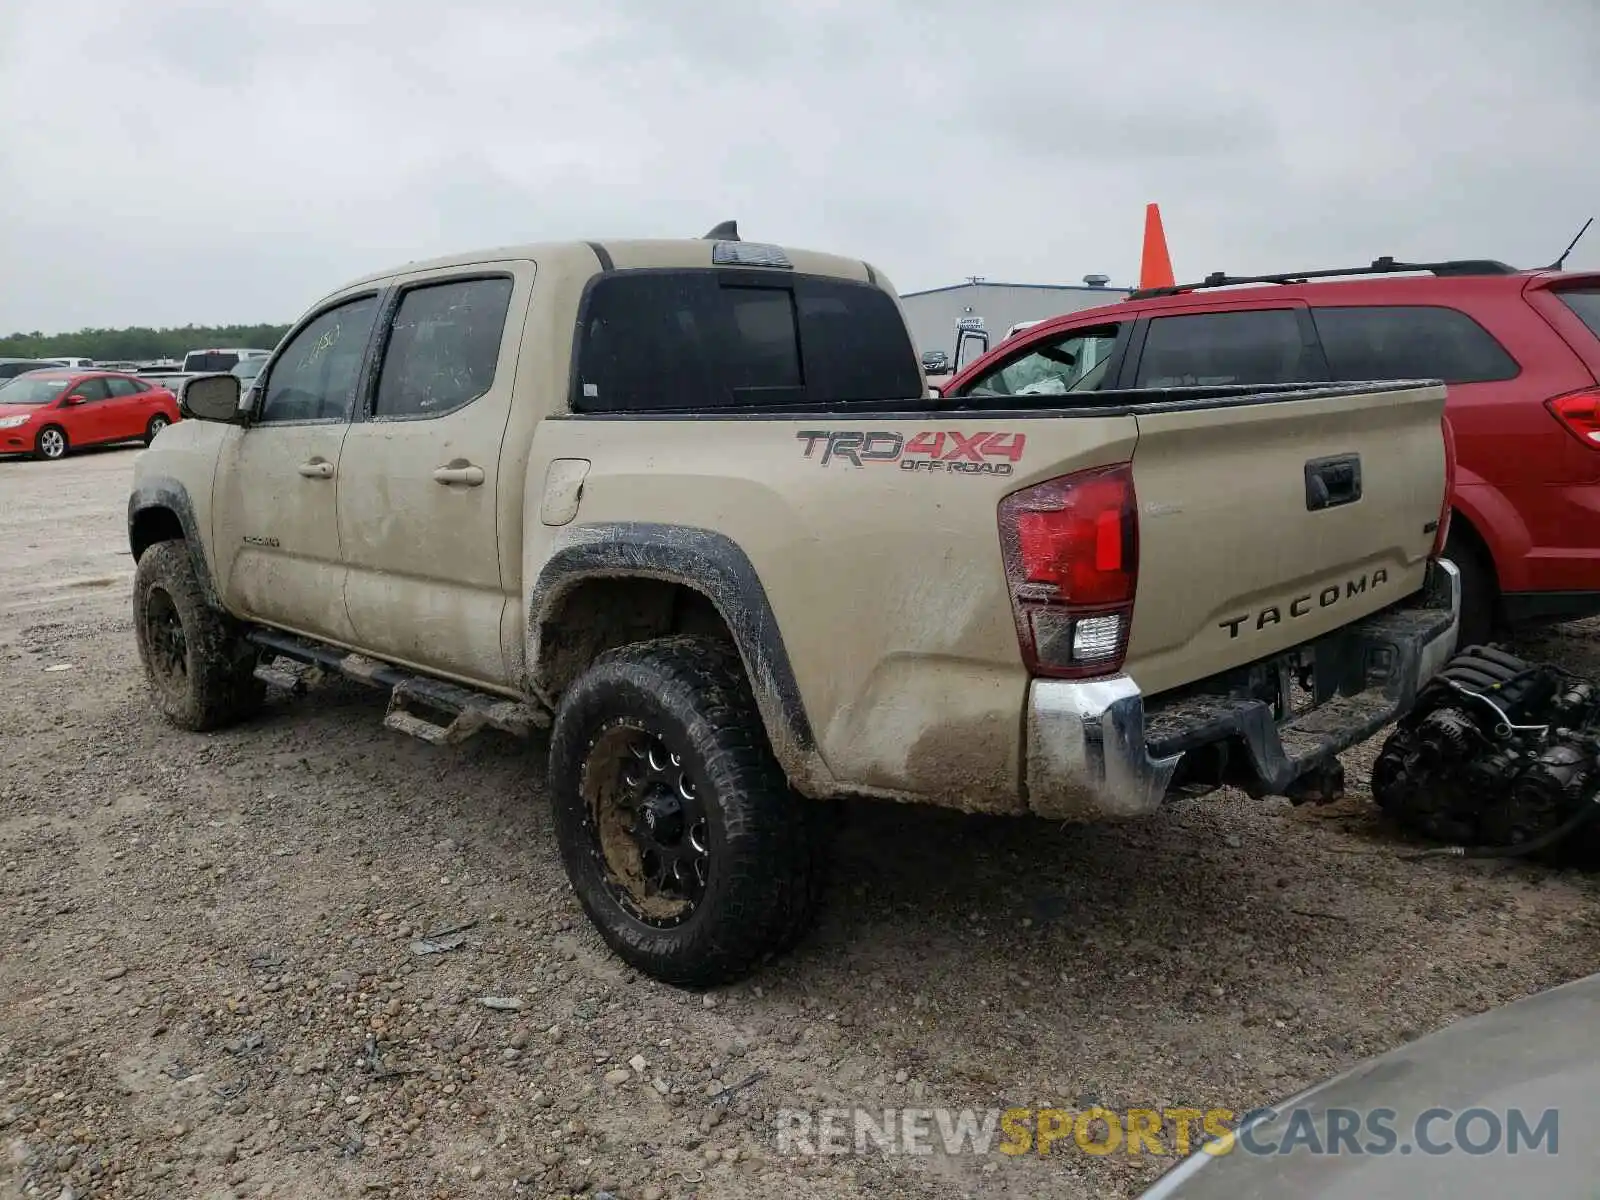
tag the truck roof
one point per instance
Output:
(593, 257)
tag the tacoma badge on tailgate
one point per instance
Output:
(1301, 605)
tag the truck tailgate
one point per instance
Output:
(1267, 521)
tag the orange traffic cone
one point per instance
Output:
(1155, 268)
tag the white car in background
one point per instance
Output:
(205, 362)
(217, 362)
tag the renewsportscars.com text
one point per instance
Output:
(1166, 1132)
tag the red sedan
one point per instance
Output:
(48, 413)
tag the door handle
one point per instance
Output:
(317, 469)
(459, 473)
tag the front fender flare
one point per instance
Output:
(160, 493)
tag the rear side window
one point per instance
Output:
(1410, 342)
(698, 339)
(1206, 349)
(1585, 306)
(444, 347)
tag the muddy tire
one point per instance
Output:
(157, 424)
(679, 832)
(51, 444)
(201, 671)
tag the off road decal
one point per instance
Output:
(944, 451)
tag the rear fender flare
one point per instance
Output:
(716, 567)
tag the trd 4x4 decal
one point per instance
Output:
(981, 453)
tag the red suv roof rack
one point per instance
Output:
(1379, 266)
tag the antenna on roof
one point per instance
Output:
(1561, 262)
(728, 231)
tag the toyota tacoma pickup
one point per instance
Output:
(689, 506)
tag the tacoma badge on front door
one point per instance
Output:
(274, 514)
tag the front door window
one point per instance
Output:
(1068, 362)
(314, 378)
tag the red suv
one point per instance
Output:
(1519, 350)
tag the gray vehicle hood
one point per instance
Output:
(1536, 1054)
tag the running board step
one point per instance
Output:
(466, 711)
(284, 681)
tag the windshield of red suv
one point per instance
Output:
(1586, 305)
(33, 389)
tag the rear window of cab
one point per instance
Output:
(682, 340)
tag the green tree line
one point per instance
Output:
(138, 343)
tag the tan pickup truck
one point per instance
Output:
(689, 503)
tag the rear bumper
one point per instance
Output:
(1097, 750)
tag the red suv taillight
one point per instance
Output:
(1442, 535)
(1071, 548)
(1579, 414)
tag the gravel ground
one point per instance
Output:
(209, 983)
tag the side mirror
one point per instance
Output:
(74, 400)
(212, 398)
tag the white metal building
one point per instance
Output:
(935, 314)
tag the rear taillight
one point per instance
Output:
(1442, 534)
(1071, 548)
(1579, 414)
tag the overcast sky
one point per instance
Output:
(165, 162)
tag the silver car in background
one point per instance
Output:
(246, 370)
(1496, 1105)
